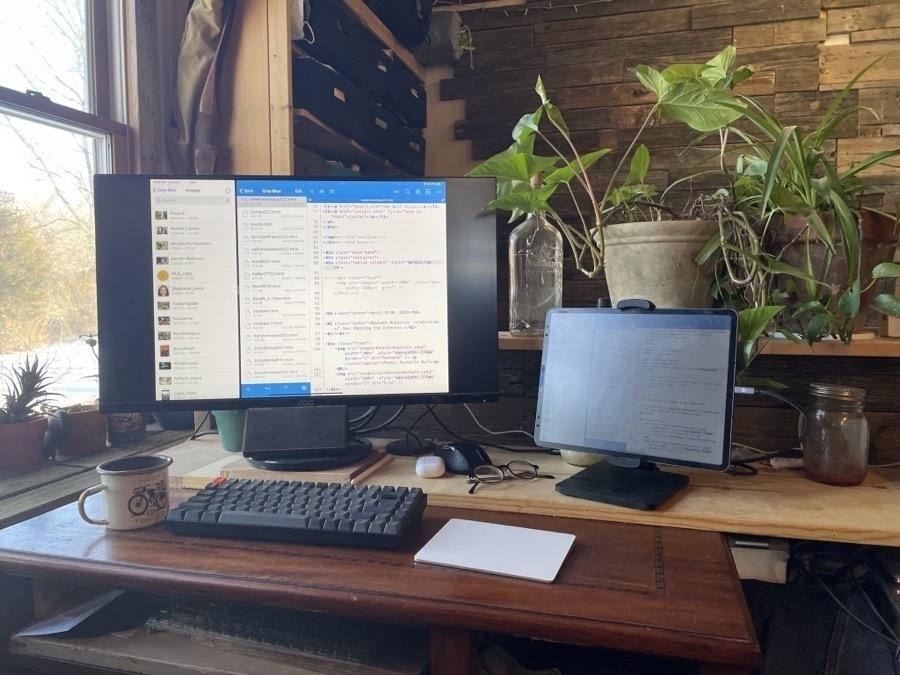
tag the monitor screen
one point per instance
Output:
(639, 386)
(238, 292)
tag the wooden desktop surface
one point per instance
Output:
(775, 503)
(668, 592)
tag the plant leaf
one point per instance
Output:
(640, 163)
(816, 328)
(519, 167)
(751, 325)
(556, 118)
(886, 270)
(529, 201)
(886, 304)
(719, 65)
(848, 303)
(698, 106)
(527, 125)
(539, 88)
(652, 79)
(683, 72)
(566, 173)
(872, 160)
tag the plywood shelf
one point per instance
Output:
(872, 347)
(385, 36)
(311, 134)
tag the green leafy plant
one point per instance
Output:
(26, 392)
(785, 175)
(697, 94)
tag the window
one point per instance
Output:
(57, 129)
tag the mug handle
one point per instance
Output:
(84, 495)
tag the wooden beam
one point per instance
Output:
(487, 4)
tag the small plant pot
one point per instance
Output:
(22, 444)
(86, 433)
(230, 424)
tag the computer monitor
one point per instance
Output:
(262, 292)
(641, 386)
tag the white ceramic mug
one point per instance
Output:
(135, 492)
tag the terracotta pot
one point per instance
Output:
(655, 261)
(86, 433)
(21, 444)
(879, 237)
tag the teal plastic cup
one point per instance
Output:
(230, 424)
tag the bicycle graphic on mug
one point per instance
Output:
(145, 496)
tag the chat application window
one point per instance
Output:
(343, 287)
(195, 289)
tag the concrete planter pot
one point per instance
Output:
(655, 261)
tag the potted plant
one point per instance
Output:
(78, 429)
(799, 247)
(22, 425)
(697, 94)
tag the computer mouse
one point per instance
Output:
(430, 466)
(462, 457)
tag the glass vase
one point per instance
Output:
(535, 274)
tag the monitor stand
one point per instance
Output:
(623, 482)
(321, 461)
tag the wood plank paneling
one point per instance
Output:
(502, 60)
(863, 18)
(884, 104)
(584, 29)
(787, 32)
(759, 11)
(683, 46)
(876, 35)
(838, 64)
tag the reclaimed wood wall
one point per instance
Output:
(804, 52)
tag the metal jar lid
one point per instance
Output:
(838, 392)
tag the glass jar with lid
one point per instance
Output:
(836, 443)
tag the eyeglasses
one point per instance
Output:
(518, 468)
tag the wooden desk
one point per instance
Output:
(775, 503)
(667, 592)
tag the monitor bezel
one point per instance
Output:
(122, 257)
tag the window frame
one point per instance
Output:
(40, 109)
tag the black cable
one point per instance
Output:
(197, 433)
(382, 425)
(892, 638)
(443, 426)
(871, 604)
(421, 448)
(742, 467)
(361, 421)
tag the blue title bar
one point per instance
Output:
(341, 191)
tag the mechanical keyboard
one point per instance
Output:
(364, 516)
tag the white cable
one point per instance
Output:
(496, 433)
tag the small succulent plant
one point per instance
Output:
(26, 391)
